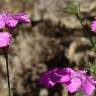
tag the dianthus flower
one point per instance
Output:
(93, 26)
(5, 39)
(10, 20)
(74, 80)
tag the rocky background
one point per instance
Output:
(43, 44)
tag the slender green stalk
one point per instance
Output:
(69, 94)
(87, 32)
(7, 67)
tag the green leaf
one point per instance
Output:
(73, 7)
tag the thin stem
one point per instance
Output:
(69, 94)
(7, 67)
(86, 31)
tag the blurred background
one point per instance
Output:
(42, 45)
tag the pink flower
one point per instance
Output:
(93, 26)
(5, 39)
(10, 20)
(74, 80)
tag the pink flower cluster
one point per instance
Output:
(74, 80)
(10, 20)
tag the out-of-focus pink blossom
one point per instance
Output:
(5, 39)
(10, 20)
(93, 26)
(22, 17)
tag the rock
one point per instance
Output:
(43, 92)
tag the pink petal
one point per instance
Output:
(70, 70)
(22, 17)
(88, 88)
(92, 80)
(5, 39)
(2, 23)
(10, 21)
(50, 84)
(46, 81)
(93, 26)
(74, 85)
(65, 79)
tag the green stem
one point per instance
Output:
(87, 32)
(69, 94)
(7, 67)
